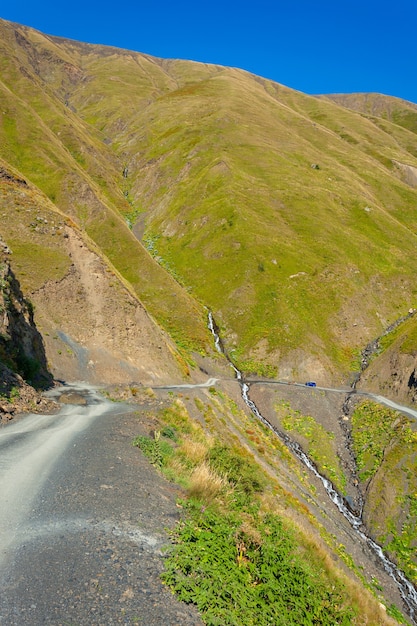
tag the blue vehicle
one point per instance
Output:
(311, 383)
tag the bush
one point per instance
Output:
(243, 578)
(242, 472)
(156, 450)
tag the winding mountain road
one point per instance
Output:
(82, 519)
(406, 410)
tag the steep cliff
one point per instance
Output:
(392, 369)
(23, 366)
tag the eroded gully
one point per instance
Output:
(406, 588)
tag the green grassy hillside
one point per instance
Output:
(135, 190)
(393, 109)
(69, 161)
(287, 215)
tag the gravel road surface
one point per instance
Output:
(82, 522)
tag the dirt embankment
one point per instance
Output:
(393, 374)
(87, 326)
(95, 329)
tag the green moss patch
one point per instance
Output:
(318, 442)
(385, 446)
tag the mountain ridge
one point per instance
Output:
(398, 110)
(139, 166)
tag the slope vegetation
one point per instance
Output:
(136, 193)
(389, 108)
(289, 216)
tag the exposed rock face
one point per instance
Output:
(412, 384)
(16, 397)
(22, 355)
(21, 345)
(393, 374)
(409, 173)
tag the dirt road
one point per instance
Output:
(82, 522)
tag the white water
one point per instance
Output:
(213, 332)
(406, 588)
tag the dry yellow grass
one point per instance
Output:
(205, 484)
(194, 451)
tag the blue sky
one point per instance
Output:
(315, 47)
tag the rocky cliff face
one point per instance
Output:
(23, 366)
(21, 346)
(391, 370)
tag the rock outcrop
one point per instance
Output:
(23, 366)
(21, 346)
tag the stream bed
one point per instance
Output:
(406, 588)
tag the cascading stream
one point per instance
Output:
(406, 588)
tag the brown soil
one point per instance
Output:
(96, 330)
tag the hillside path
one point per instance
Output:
(82, 522)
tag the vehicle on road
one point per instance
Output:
(311, 383)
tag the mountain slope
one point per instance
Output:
(92, 324)
(232, 207)
(137, 193)
(284, 214)
(389, 108)
(65, 159)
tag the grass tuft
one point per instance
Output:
(205, 484)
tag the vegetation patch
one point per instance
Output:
(318, 441)
(39, 263)
(374, 428)
(155, 449)
(249, 569)
(385, 446)
(234, 555)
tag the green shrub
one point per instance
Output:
(156, 450)
(373, 429)
(249, 574)
(241, 471)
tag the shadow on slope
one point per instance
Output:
(21, 345)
